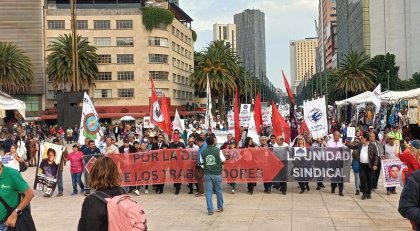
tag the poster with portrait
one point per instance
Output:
(49, 159)
(394, 172)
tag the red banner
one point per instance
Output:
(179, 166)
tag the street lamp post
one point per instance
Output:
(387, 71)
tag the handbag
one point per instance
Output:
(24, 221)
(23, 166)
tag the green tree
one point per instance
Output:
(59, 63)
(384, 64)
(220, 64)
(355, 76)
(15, 69)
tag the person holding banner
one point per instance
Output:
(60, 169)
(76, 169)
(91, 151)
(199, 166)
(390, 153)
(12, 158)
(156, 146)
(175, 144)
(265, 144)
(301, 144)
(249, 143)
(380, 148)
(336, 143)
(368, 164)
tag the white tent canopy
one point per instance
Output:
(9, 103)
(357, 99)
(388, 96)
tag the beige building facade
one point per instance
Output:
(129, 55)
(302, 60)
(225, 32)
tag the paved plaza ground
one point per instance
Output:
(313, 210)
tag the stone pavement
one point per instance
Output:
(313, 210)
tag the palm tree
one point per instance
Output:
(220, 64)
(355, 75)
(59, 67)
(15, 69)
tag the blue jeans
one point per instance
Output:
(3, 226)
(390, 189)
(60, 181)
(76, 178)
(213, 181)
(357, 180)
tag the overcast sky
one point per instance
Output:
(285, 20)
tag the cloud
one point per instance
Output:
(285, 20)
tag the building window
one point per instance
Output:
(125, 58)
(158, 75)
(173, 46)
(160, 92)
(125, 41)
(103, 93)
(160, 26)
(51, 40)
(156, 41)
(158, 58)
(51, 94)
(102, 42)
(124, 24)
(126, 93)
(56, 24)
(104, 59)
(101, 24)
(125, 75)
(82, 24)
(32, 102)
(174, 77)
(104, 76)
(182, 79)
(174, 93)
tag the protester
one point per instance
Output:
(232, 145)
(390, 154)
(368, 163)
(69, 135)
(264, 144)
(89, 152)
(380, 148)
(12, 158)
(156, 146)
(110, 148)
(126, 148)
(213, 159)
(249, 143)
(175, 144)
(355, 164)
(193, 147)
(76, 169)
(12, 186)
(199, 166)
(32, 151)
(300, 142)
(336, 142)
(227, 143)
(60, 169)
(7, 143)
(103, 177)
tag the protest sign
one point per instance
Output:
(242, 165)
(266, 115)
(50, 156)
(393, 170)
(315, 116)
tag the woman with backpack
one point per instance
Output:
(355, 166)
(109, 208)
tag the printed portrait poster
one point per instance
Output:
(49, 159)
(394, 172)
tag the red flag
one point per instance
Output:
(156, 116)
(304, 128)
(236, 117)
(280, 126)
(288, 89)
(165, 112)
(257, 113)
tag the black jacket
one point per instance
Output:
(94, 212)
(155, 146)
(131, 149)
(372, 153)
(409, 206)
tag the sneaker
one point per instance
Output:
(82, 191)
(146, 191)
(220, 210)
(60, 194)
(46, 196)
(209, 213)
(284, 193)
(394, 192)
(368, 196)
(73, 193)
(364, 197)
(318, 188)
(332, 190)
(341, 194)
(136, 192)
(388, 193)
(233, 191)
(199, 194)
(357, 192)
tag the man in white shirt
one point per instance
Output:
(110, 148)
(280, 142)
(336, 142)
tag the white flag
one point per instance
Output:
(252, 131)
(315, 115)
(209, 117)
(376, 98)
(177, 123)
(89, 123)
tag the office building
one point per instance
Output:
(21, 23)
(225, 32)
(250, 41)
(302, 60)
(327, 30)
(129, 55)
(395, 28)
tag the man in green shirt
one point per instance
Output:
(212, 159)
(11, 184)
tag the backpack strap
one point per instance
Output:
(7, 206)
(101, 196)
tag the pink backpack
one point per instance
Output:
(124, 213)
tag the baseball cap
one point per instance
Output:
(415, 144)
